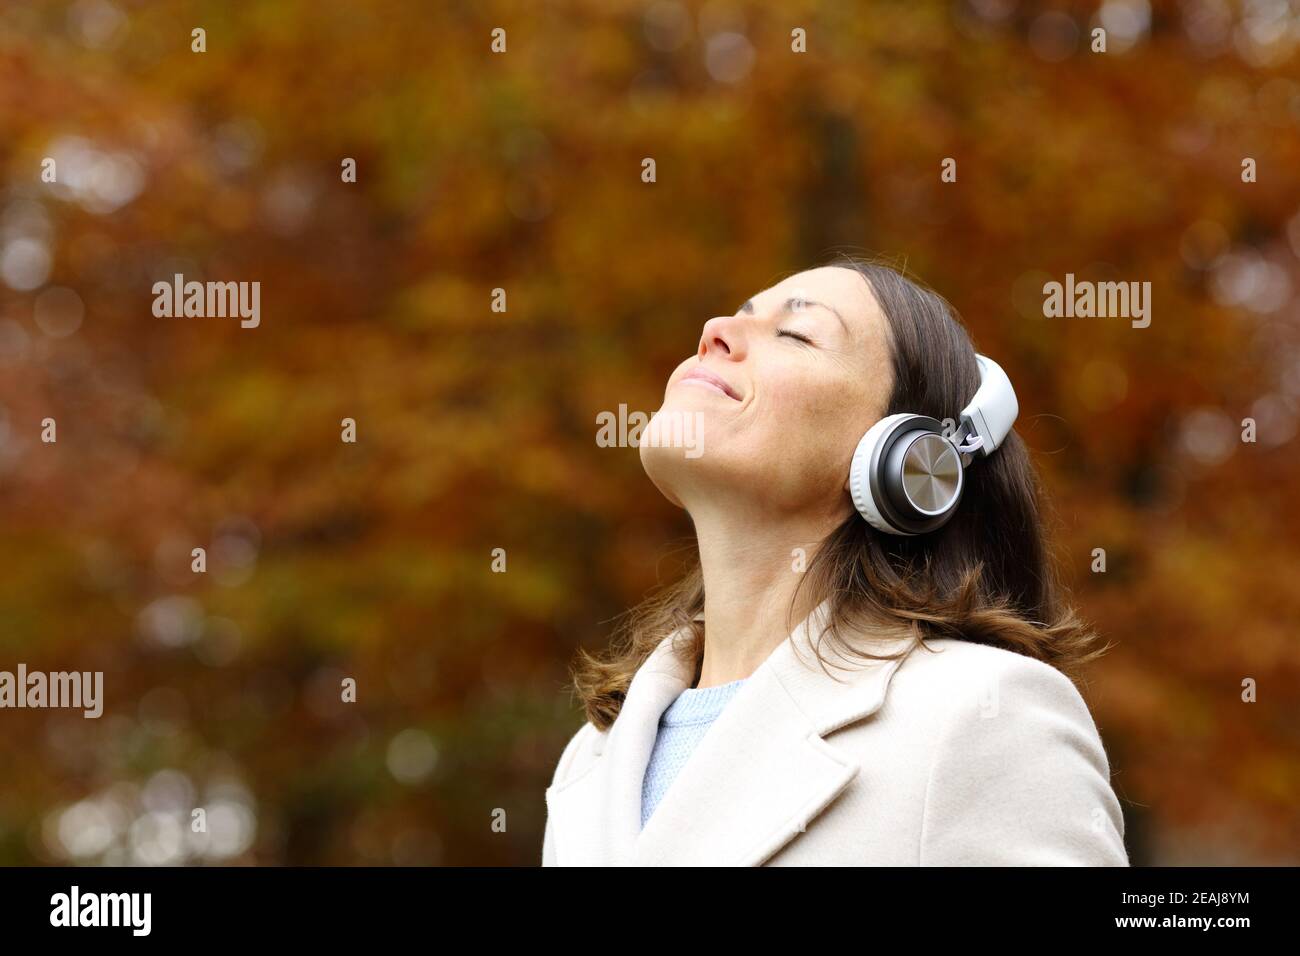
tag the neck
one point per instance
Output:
(749, 571)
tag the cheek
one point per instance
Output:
(810, 405)
(808, 423)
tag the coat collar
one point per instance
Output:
(754, 781)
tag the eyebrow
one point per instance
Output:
(788, 307)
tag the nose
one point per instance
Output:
(724, 336)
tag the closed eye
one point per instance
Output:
(794, 335)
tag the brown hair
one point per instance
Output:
(986, 576)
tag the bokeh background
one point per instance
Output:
(476, 429)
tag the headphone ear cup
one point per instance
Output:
(906, 477)
(925, 480)
(864, 488)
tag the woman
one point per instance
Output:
(850, 692)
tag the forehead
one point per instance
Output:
(845, 290)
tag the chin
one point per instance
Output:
(662, 466)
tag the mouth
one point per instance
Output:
(703, 377)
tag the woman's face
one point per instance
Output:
(782, 391)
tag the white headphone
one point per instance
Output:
(907, 475)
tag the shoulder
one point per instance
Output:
(963, 673)
(955, 659)
(976, 694)
(578, 755)
(1017, 771)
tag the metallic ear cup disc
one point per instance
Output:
(922, 476)
(931, 474)
(919, 478)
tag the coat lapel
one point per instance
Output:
(759, 775)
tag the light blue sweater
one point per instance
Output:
(681, 726)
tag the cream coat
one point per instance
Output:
(965, 756)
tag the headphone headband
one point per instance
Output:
(993, 410)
